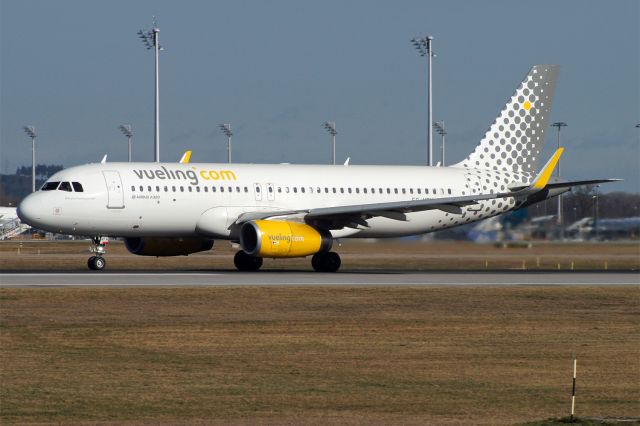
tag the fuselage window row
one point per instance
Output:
(77, 187)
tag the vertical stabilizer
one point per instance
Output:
(515, 139)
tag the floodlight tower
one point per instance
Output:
(423, 45)
(151, 40)
(439, 126)
(226, 129)
(128, 132)
(31, 132)
(559, 125)
(331, 128)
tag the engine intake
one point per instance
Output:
(271, 238)
(167, 246)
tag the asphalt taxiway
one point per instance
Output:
(234, 278)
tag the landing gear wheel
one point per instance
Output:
(244, 262)
(96, 263)
(326, 262)
(99, 247)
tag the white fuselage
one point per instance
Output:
(184, 200)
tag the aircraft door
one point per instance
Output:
(115, 191)
(257, 189)
(271, 192)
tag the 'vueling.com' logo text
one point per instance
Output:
(193, 176)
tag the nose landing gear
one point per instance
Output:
(99, 247)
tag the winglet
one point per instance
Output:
(545, 174)
(185, 157)
(104, 159)
(346, 163)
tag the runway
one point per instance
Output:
(289, 278)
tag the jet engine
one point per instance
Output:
(167, 246)
(271, 238)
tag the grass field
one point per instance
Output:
(356, 255)
(362, 355)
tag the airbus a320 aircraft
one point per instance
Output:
(279, 211)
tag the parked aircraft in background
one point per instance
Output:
(279, 211)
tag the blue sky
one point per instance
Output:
(276, 70)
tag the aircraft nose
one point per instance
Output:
(30, 210)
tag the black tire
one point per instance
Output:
(99, 263)
(90, 263)
(326, 262)
(245, 262)
(332, 262)
(316, 262)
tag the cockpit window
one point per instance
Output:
(50, 186)
(77, 186)
(65, 186)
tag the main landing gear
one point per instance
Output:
(245, 262)
(326, 262)
(321, 262)
(99, 247)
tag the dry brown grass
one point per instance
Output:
(356, 255)
(317, 355)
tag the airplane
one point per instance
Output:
(285, 210)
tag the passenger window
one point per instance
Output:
(149, 188)
(326, 190)
(77, 186)
(222, 189)
(434, 191)
(246, 189)
(286, 189)
(166, 189)
(173, 188)
(50, 186)
(230, 188)
(279, 190)
(395, 190)
(206, 189)
(342, 190)
(295, 189)
(182, 189)
(357, 190)
(404, 191)
(141, 188)
(334, 190)
(388, 190)
(213, 189)
(133, 188)
(157, 189)
(237, 189)
(270, 189)
(197, 189)
(419, 191)
(190, 189)
(349, 190)
(257, 188)
(410, 190)
(449, 190)
(65, 186)
(302, 189)
(364, 190)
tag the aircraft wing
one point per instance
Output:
(351, 215)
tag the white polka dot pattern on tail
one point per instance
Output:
(515, 139)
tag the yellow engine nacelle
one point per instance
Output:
(271, 238)
(167, 246)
